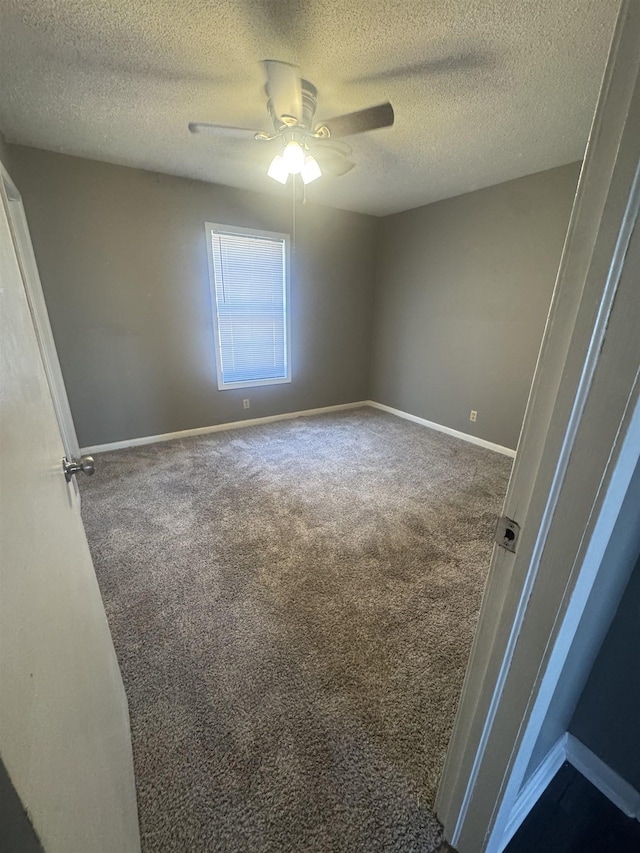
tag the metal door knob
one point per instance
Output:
(85, 464)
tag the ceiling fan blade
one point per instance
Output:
(359, 122)
(284, 89)
(222, 129)
(333, 160)
(337, 166)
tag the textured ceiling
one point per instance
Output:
(483, 90)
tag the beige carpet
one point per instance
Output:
(293, 606)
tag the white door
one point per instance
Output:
(64, 725)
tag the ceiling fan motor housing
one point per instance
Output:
(309, 102)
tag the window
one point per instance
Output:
(249, 276)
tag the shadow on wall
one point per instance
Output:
(17, 834)
(606, 718)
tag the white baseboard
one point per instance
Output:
(186, 433)
(569, 748)
(473, 439)
(534, 787)
(607, 781)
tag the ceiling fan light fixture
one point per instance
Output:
(278, 170)
(293, 156)
(291, 103)
(311, 170)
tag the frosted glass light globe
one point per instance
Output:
(293, 157)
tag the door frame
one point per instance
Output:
(38, 307)
(577, 450)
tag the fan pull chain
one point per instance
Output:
(293, 214)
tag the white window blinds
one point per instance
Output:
(250, 301)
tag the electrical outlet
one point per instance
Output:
(246, 404)
(473, 416)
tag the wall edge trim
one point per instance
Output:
(616, 789)
(534, 787)
(473, 439)
(568, 748)
(187, 433)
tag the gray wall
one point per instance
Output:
(462, 289)
(617, 565)
(123, 262)
(607, 718)
(462, 295)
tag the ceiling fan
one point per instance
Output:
(308, 149)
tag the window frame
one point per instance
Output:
(219, 228)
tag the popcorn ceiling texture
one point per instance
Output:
(292, 606)
(483, 91)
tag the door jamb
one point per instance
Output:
(604, 214)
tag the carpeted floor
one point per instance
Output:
(293, 606)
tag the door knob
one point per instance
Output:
(84, 464)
